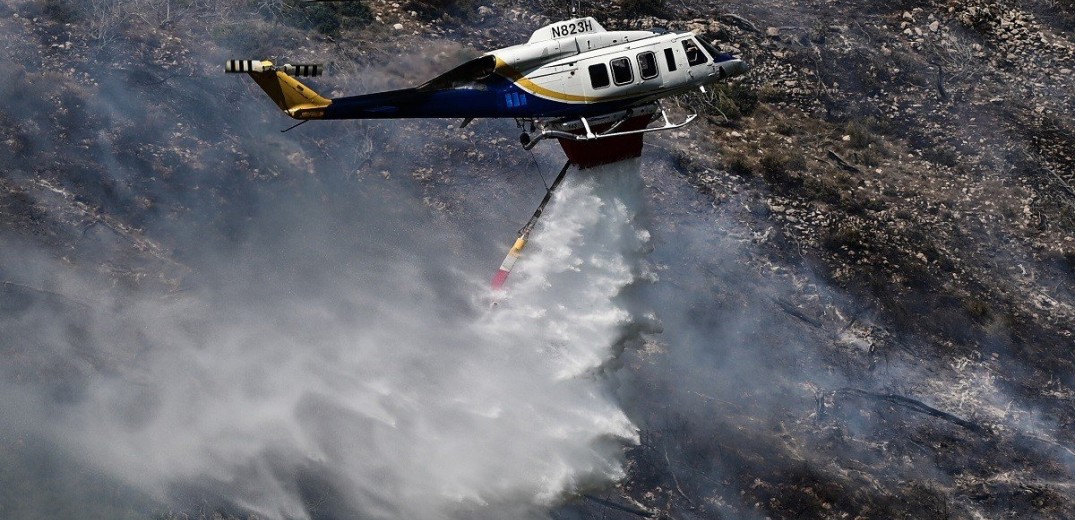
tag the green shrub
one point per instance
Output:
(250, 39)
(327, 17)
(725, 100)
(60, 11)
(429, 10)
(778, 161)
(880, 125)
(738, 164)
(1063, 259)
(743, 97)
(861, 136)
(844, 237)
(941, 154)
(823, 189)
(639, 8)
(778, 166)
(979, 310)
(870, 157)
(785, 128)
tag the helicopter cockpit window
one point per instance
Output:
(647, 65)
(621, 71)
(713, 50)
(694, 54)
(599, 76)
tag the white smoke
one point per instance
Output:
(368, 378)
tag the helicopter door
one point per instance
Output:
(649, 72)
(695, 56)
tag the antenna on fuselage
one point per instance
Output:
(576, 7)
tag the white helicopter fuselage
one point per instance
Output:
(577, 62)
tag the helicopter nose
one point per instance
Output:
(735, 67)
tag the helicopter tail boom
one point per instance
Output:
(294, 98)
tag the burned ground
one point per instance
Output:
(864, 254)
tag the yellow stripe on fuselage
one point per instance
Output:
(526, 84)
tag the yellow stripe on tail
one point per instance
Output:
(294, 98)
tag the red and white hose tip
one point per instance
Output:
(508, 263)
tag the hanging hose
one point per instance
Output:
(524, 233)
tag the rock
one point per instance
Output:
(484, 11)
(398, 27)
(934, 26)
(772, 31)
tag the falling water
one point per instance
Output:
(325, 377)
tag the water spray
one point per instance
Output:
(524, 233)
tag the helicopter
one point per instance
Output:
(596, 91)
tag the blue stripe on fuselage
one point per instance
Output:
(494, 97)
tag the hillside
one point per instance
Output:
(859, 294)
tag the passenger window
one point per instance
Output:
(621, 71)
(670, 57)
(647, 65)
(599, 75)
(694, 54)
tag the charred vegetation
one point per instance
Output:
(879, 323)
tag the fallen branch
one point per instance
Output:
(711, 398)
(849, 324)
(46, 292)
(1047, 441)
(612, 505)
(915, 406)
(794, 311)
(739, 22)
(940, 79)
(675, 480)
(1067, 187)
(842, 163)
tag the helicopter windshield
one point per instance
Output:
(714, 51)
